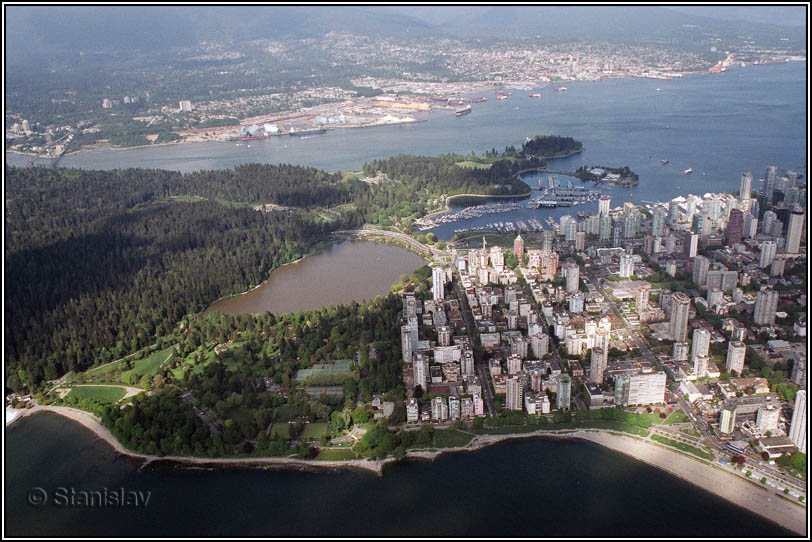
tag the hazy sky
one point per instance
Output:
(784, 15)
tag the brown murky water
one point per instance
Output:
(347, 271)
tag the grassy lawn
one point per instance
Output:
(677, 416)
(682, 446)
(102, 394)
(451, 438)
(286, 412)
(332, 454)
(314, 430)
(472, 164)
(147, 366)
(692, 432)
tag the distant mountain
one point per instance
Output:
(51, 33)
(773, 14)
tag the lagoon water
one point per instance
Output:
(526, 488)
(345, 272)
(718, 125)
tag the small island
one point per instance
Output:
(618, 176)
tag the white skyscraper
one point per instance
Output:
(438, 283)
(735, 357)
(514, 393)
(678, 326)
(795, 230)
(797, 431)
(571, 273)
(766, 306)
(744, 191)
(769, 182)
(626, 269)
(768, 250)
(603, 205)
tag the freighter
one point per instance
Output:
(463, 110)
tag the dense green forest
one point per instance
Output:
(230, 387)
(98, 263)
(550, 146)
(101, 263)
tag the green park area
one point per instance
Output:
(473, 164)
(146, 366)
(682, 446)
(101, 394)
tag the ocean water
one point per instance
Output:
(523, 488)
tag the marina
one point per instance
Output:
(475, 211)
(531, 224)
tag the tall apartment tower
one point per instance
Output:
(746, 187)
(735, 227)
(769, 183)
(518, 248)
(571, 272)
(766, 306)
(514, 393)
(564, 389)
(658, 221)
(795, 230)
(421, 372)
(438, 283)
(768, 250)
(603, 205)
(797, 429)
(700, 272)
(678, 326)
(735, 357)
(599, 362)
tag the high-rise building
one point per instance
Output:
(735, 357)
(735, 225)
(599, 362)
(540, 344)
(406, 343)
(514, 392)
(438, 283)
(673, 213)
(185, 105)
(767, 418)
(767, 222)
(795, 230)
(700, 346)
(678, 325)
(641, 299)
(571, 273)
(547, 241)
(768, 250)
(769, 183)
(572, 229)
(605, 227)
(564, 389)
(797, 429)
(746, 186)
(727, 418)
(700, 272)
(518, 248)
(626, 269)
(799, 372)
(603, 205)
(766, 306)
(421, 372)
(617, 233)
(658, 221)
(680, 351)
(750, 227)
(444, 335)
(640, 388)
(580, 241)
(631, 221)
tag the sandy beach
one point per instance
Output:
(764, 501)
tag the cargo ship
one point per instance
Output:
(463, 110)
(311, 131)
(478, 100)
(535, 95)
(251, 137)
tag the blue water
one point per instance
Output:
(525, 488)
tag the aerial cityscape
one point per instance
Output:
(357, 265)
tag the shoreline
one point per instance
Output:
(704, 475)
